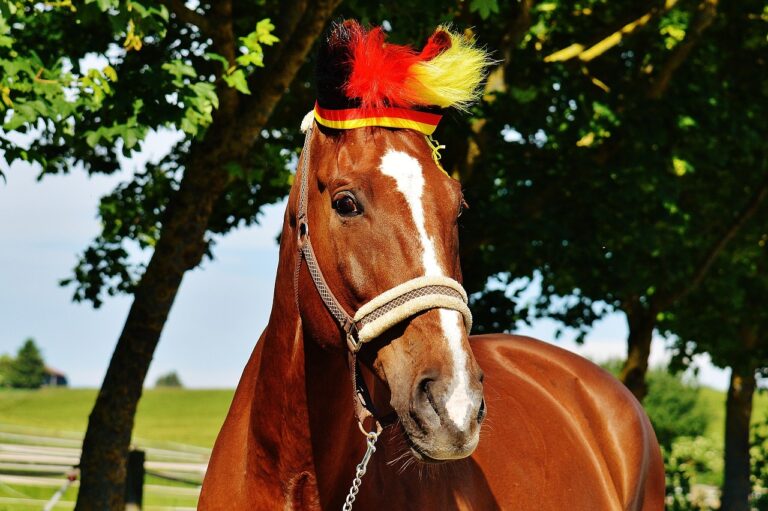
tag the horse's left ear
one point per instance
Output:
(437, 43)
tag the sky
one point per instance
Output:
(221, 308)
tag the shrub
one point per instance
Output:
(672, 405)
(169, 380)
(759, 455)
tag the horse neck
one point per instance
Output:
(299, 400)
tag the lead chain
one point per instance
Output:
(360, 470)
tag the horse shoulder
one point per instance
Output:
(559, 424)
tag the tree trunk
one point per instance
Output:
(738, 412)
(641, 324)
(181, 245)
(180, 248)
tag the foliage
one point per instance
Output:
(679, 476)
(759, 454)
(169, 380)
(27, 369)
(672, 405)
(728, 308)
(614, 173)
(84, 84)
(6, 363)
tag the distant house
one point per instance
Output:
(54, 378)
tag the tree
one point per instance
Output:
(6, 362)
(169, 380)
(726, 317)
(618, 157)
(216, 72)
(27, 370)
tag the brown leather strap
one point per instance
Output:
(305, 249)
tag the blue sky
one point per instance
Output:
(220, 310)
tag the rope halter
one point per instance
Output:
(385, 310)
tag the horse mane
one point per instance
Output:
(358, 68)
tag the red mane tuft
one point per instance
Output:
(379, 69)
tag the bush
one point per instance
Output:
(689, 461)
(672, 405)
(759, 455)
(169, 380)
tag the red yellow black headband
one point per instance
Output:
(388, 117)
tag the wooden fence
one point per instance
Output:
(35, 464)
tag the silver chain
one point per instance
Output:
(360, 470)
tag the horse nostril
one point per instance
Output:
(481, 412)
(425, 389)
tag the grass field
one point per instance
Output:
(170, 419)
(713, 401)
(167, 417)
(178, 415)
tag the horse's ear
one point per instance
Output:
(437, 43)
(334, 64)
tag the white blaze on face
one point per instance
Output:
(410, 182)
(408, 175)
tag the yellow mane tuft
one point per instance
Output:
(453, 77)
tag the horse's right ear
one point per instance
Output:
(334, 64)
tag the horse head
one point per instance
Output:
(382, 215)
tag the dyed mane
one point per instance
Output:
(360, 69)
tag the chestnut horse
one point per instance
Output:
(559, 433)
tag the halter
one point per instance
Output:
(375, 317)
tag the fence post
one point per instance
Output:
(134, 481)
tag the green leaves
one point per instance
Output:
(237, 80)
(253, 52)
(673, 27)
(197, 99)
(484, 7)
(252, 56)
(45, 89)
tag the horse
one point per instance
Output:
(450, 421)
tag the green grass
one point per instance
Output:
(195, 416)
(182, 416)
(176, 415)
(713, 401)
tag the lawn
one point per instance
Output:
(177, 419)
(713, 401)
(171, 415)
(195, 416)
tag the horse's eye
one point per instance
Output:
(346, 205)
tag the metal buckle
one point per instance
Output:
(352, 343)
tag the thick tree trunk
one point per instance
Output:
(641, 324)
(738, 412)
(107, 440)
(180, 248)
